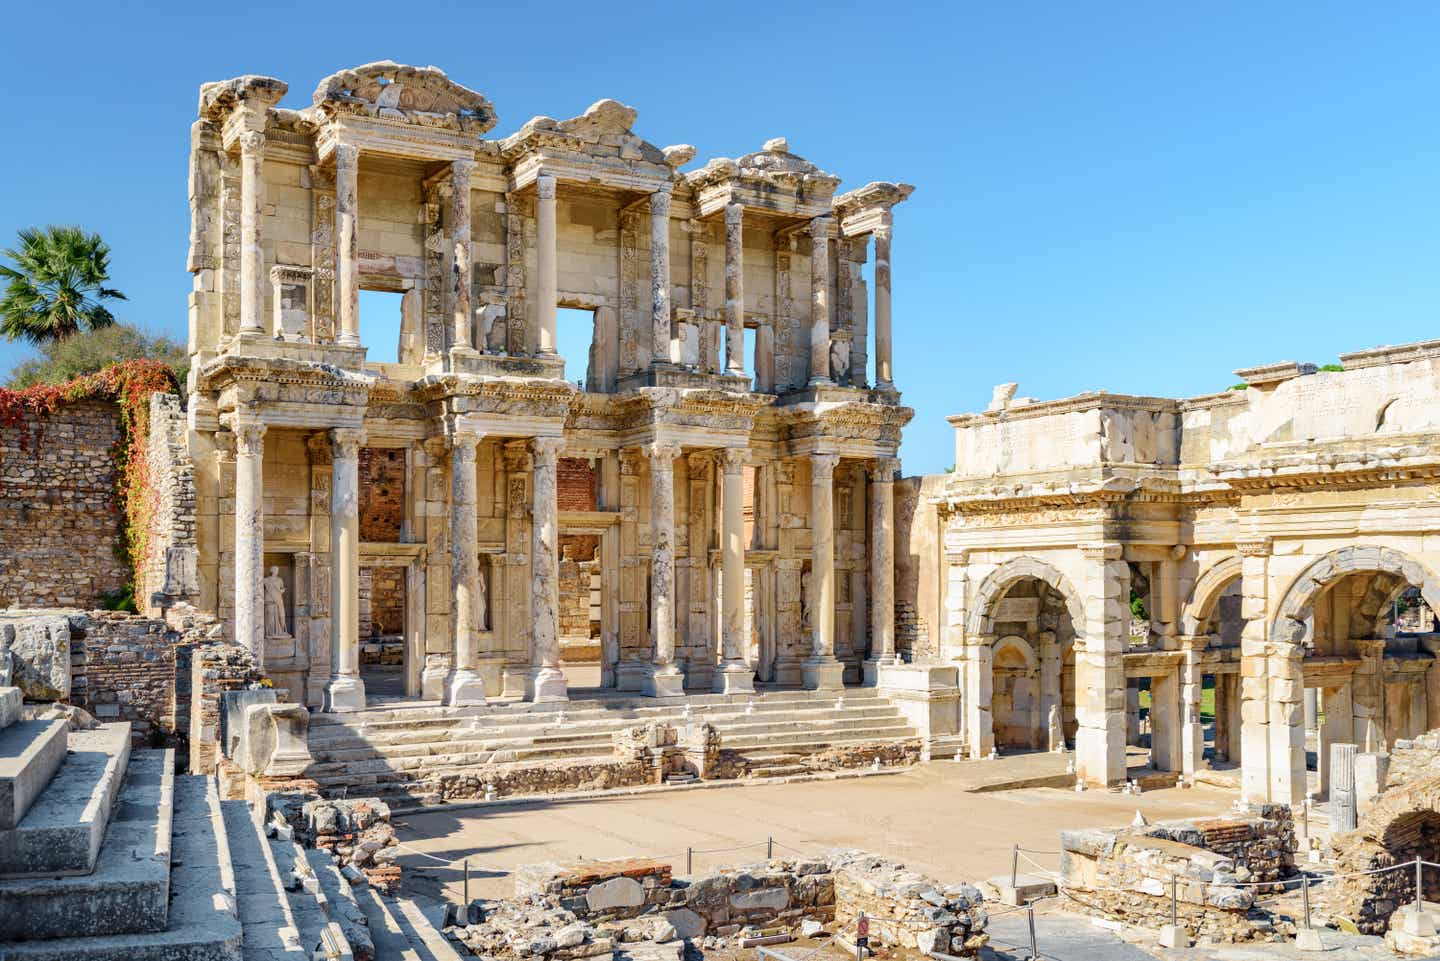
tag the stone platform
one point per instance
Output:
(396, 752)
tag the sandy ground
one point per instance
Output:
(926, 817)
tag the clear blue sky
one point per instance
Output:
(1134, 197)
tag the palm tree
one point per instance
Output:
(56, 286)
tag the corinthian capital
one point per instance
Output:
(733, 459)
(345, 442)
(822, 466)
(250, 438)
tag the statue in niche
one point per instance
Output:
(273, 589)
(482, 601)
(411, 348)
(1057, 732)
(840, 360)
(806, 604)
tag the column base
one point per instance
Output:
(432, 680)
(466, 687)
(736, 678)
(871, 668)
(345, 694)
(822, 674)
(631, 676)
(664, 681)
(514, 682)
(548, 685)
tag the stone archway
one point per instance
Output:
(1297, 603)
(1037, 638)
(1205, 595)
(1212, 612)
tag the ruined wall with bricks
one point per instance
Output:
(919, 617)
(382, 493)
(57, 507)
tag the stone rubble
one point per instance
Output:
(356, 832)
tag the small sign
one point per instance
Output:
(862, 926)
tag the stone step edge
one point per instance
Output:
(134, 858)
(332, 942)
(202, 923)
(30, 754)
(45, 844)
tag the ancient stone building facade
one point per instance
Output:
(387, 182)
(1264, 537)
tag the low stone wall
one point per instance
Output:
(1402, 824)
(586, 908)
(215, 667)
(356, 832)
(57, 508)
(1213, 864)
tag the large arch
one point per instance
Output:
(1206, 593)
(1297, 602)
(1000, 580)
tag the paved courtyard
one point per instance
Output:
(927, 816)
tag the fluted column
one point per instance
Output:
(882, 565)
(736, 675)
(546, 260)
(252, 207)
(250, 538)
(663, 351)
(347, 242)
(821, 671)
(548, 680)
(665, 679)
(884, 375)
(820, 301)
(347, 691)
(466, 685)
(462, 262)
(734, 289)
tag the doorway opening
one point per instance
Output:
(581, 616)
(382, 631)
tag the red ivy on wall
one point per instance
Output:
(129, 385)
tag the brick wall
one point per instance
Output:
(57, 512)
(382, 493)
(576, 480)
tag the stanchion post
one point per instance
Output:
(769, 848)
(1174, 901)
(1305, 893)
(1034, 950)
(1419, 867)
(466, 889)
(1014, 866)
(689, 861)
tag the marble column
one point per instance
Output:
(736, 675)
(765, 358)
(347, 691)
(882, 566)
(734, 289)
(1342, 788)
(548, 680)
(820, 301)
(347, 242)
(821, 671)
(462, 260)
(1192, 732)
(546, 260)
(665, 678)
(884, 375)
(252, 207)
(979, 689)
(663, 346)
(250, 538)
(1100, 688)
(1255, 760)
(465, 685)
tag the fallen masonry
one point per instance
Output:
(590, 909)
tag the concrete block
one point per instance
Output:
(1027, 887)
(10, 702)
(30, 753)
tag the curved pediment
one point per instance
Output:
(395, 91)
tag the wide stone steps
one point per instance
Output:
(400, 930)
(62, 831)
(129, 890)
(30, 754)
(270, 931)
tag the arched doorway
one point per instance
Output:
(1021, 663)
(1214, 612)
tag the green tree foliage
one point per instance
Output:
(55, 285)
(61, 361)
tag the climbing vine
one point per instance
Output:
(129, 385)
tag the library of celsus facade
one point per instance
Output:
(1278, 542)
(715, 485)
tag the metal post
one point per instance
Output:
(769, 848)
(1014, 866)
(1174, 905)
(1034, 950)
(689, 861)
(1419, 867)
(860, 925)
(1305, 893)
(466, 862)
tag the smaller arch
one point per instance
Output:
(1004, 577)
(1298, 601)
(1013, 642)
(1206, 593)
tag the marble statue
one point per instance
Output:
(274, 589)
(482, 601)
(1057, 730)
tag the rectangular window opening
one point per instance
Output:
(574, 333)
(380, 318)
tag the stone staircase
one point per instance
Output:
(396, 752)
(105, 854)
